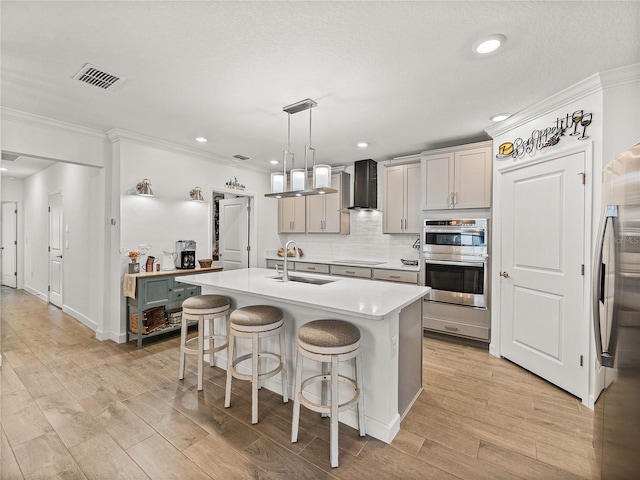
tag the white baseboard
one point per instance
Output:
(40, 295)
(80, 317)
(115, 337)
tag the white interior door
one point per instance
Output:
(56, 240)
(234, 233)
(543, 322)
(10, 244)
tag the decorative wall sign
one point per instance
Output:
(234, 184)
(547, 137)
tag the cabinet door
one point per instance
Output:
(393, 210)
(437, 172)
(291, 215)
(315, 213)
(332, 206)
(413, 193)
(155, 291)
(472, 188)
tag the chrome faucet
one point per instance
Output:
(285, 270)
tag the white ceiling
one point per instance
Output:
(399, 75)
(23, 167)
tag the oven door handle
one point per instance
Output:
(453, 230)
(455, 263)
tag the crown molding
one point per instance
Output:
(10, 114)
(592, 84)
(117, 134)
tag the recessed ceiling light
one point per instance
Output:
(4, 169)
(500, 117)
(489, 44)
(274, 162)
(201, 139)
(362, 144)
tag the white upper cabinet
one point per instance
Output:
(328, 213)
(457, 177)
(291, 215)
(402, 190)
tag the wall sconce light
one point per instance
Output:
(196, 194)
(144, 188)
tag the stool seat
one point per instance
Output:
(329, 336)
(205, 304)
(198, 309)
(256, 316)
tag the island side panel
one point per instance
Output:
(380, 360)
(410, 356)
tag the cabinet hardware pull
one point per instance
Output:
(394, 276)
(350, 271)
(452, 329)
(311, 268)
(401, 224)
(455, 199)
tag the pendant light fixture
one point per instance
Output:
(321, 173)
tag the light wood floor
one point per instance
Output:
(75, 407)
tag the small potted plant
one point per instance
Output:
(134, 266)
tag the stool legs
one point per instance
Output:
(296, 398)
(257, 357)
(230, 353)
(359, 384)
(183, 354)
(255, 381)
(335, 377)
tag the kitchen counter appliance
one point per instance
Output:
(186, 254)
(457, 270)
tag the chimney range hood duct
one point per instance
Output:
(365, 185)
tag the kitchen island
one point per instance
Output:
(389, 316)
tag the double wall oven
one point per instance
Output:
(457, 270)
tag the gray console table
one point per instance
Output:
(154, 289)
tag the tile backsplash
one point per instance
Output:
(366, 241)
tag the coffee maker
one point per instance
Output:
(186, 250)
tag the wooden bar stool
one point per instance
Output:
(201, 308)
(328, 342)
(256, 322)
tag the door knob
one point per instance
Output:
(504, 274)
(59, 256)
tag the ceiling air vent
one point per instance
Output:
(98, 77)
(241, 157)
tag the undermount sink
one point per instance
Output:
(312, 281)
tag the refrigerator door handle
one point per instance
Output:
(604, 357)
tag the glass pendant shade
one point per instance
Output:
(298, 179)
(322, 176)
(277, 182)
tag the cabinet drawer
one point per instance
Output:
(312, 267)
(359, 272)
(273, 263)
(395, 276)
(456, 328)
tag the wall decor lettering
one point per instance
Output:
(547, 137)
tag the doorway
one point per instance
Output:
(543, 324)
(56, 246)
(232, 232)
(10, 244)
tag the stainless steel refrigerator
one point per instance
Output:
(616, 320)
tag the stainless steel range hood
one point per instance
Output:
(365, 185)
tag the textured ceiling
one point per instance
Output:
(400, 75)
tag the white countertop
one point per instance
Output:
(364, 298)
(384, 264)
